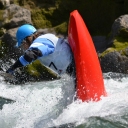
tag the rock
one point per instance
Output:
(114, 58)
(36, 69)
(119, 28)
(43, 31)
(15, 16)
(5, 3)
(9, 38)
(119, 24)
(114, 62)
(109, 62)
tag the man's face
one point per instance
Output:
(26, 43)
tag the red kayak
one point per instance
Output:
(90, 84)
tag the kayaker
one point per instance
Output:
(52, 51)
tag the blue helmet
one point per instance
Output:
(24, 31)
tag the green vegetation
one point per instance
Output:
(61, 29)
(36, 69)
(106, 51)
(98, 15)
(123, 33)
(119, 44)
(39, 19)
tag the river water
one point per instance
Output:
(49, 104)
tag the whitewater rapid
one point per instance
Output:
(50, 103)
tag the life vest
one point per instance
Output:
(60, 59)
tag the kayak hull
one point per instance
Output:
(90, 84)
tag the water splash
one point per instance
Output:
(48, 104)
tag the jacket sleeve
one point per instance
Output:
(35, 51)
(30, 55)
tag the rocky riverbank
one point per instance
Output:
(111, 49)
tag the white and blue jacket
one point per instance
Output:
(52, 51)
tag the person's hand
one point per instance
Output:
(10, 71)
